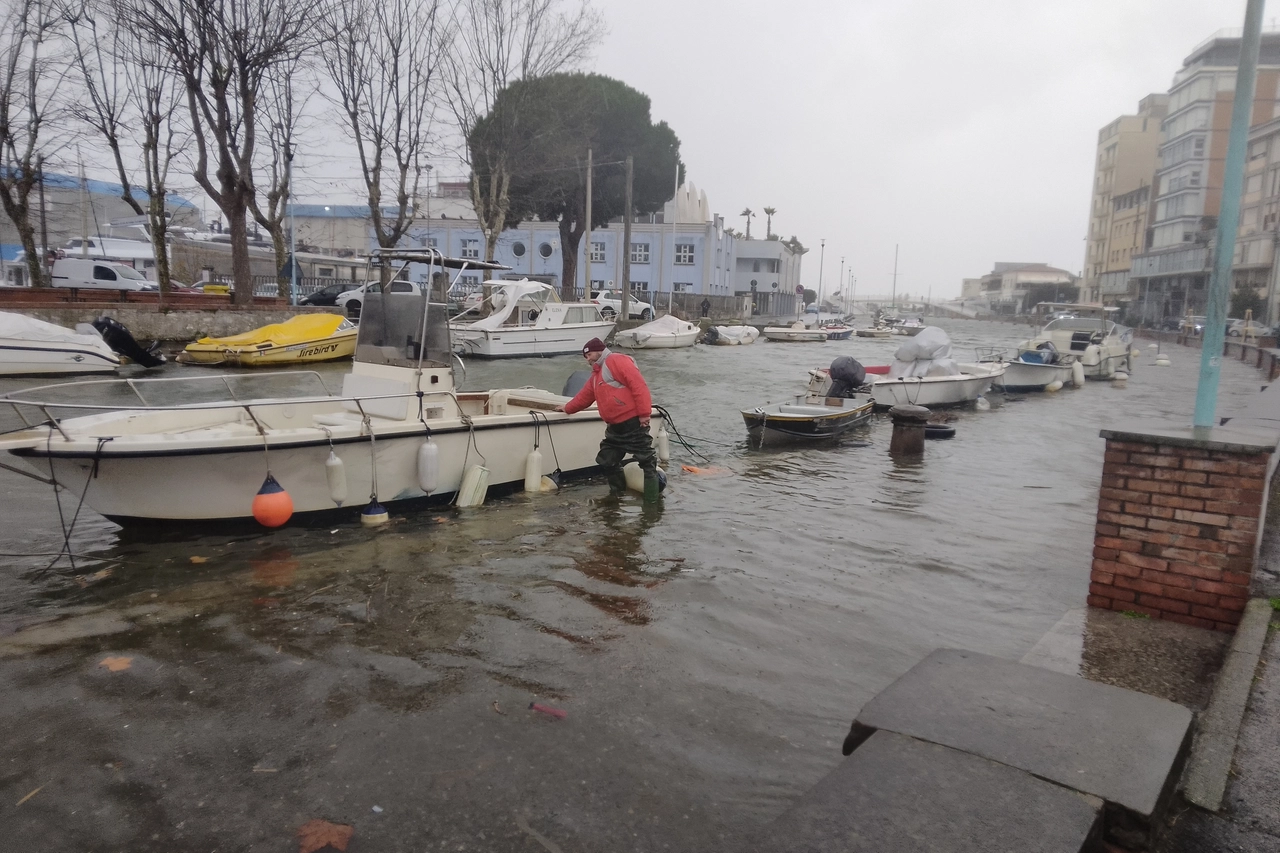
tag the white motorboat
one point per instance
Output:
(399, 431)
(31, 347)
(797, 332)
(1088, 333)
(528, 319)
(923, 374)
(730, 336)
(1034, 370)
(666, 332)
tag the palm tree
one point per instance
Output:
(768, 222)
(747, 212)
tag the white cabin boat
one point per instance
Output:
(797, 332)
(1101, 345)
(31, 347)
(399, 430)
(528, 319)
(731, 336)
(666, 332)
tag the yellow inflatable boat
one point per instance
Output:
(299, 340)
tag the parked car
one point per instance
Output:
(610, 302)
(1236, 328)
(353, 300)
(174, 287)
(327, 295)
(95, 272)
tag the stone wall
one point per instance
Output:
(1179, 515)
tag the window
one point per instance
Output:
(518, 249)
(545, 250)
(470, 280)
(597, 252)
(684, 286)
(398, 286)
(684, 253)
(324, 272)
(597, 284)
(470, 248)
(428, 243)
(103, 274)
(641, 285)
(639, 253)
(576, 315)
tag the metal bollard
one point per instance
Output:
(908, 430)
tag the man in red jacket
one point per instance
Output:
(621, 395)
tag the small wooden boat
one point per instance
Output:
(303, 339)
(838, 331)
(797, 332)
(874, 332)
(809, 418)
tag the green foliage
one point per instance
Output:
(1247, 300)
(1275, 603)
(810, 296)
(1133, 614)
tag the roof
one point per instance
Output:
(71, 182)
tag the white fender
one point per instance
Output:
(429, 466)
(533, 471)
(337, 477)
(1077, 374)
(664, 443)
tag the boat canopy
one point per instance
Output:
(295, 330)
(24, 328)
(1095, 311)
(509, 298)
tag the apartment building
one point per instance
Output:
(1171, 276)
(1124, 170)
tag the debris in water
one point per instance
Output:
(549, 711)
(499, 710)
(315, 834)
(116, 664)
(199, 559)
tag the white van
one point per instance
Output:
(95, 272)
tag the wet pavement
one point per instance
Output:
(201, 691)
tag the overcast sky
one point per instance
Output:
(963, 132)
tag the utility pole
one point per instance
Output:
(84, 214)
(626, 243)
(1228, 219)
(293, 238)
(822, 255)
(44, 229)
(586, 254)
(894, 300)
(675, 215)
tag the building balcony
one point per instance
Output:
(1182, 260)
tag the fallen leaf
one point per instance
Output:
(499, 710)
(199, 559)
(315, 834)
(116, 664)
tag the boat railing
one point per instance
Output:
(48, 408)
(990, 354)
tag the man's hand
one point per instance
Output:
(558, 409)
(644, 422)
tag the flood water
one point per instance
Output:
(709, 654)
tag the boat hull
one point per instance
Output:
(794, 336)
(48, 358)
(874, 333)
(212, 474)
(812, 420)
(528, 341)
(1022, 376)
(684, 339)
(972, 382)
(307, 352)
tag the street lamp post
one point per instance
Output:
(293, 231)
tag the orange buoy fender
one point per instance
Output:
(272, 505)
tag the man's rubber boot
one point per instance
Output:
(617, 482)
(652, 489)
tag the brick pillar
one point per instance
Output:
(1179, 522)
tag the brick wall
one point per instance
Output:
(1177, 529)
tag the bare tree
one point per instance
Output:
(497, 42)
(383, 57)
(131, 103)
(222, 51)
(281, 114)
(31, 75)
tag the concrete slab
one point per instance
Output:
(1124, 747)
(1231, 438)
(897, 793)
(1215, 743)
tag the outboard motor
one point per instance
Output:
(119, 339)
(847, 376)
(710, 336)
(575, 382)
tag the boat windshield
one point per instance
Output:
(1077, 324)
(391, 331)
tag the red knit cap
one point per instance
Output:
(593, 345)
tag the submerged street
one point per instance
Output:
(179, 690)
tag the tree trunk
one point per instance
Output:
(160, 240)
(36, 267)
(241, 269)
(571, 231)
